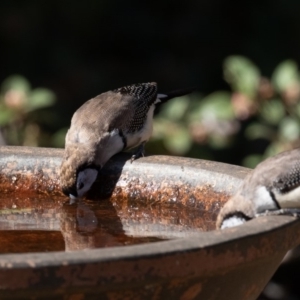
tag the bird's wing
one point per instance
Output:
(124, 109)
(100, 115)
(143, 96)
(280, 173)
(289, 179)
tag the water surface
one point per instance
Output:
(43, 223)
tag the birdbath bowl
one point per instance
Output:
(146, 231)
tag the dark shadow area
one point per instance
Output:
(79, 50)
(108, 177)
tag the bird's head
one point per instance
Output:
(236, 211)
(78, 172)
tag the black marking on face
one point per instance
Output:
(70, 191)
(80, 185)
(237, 214)
(124, 139)
(274, 198)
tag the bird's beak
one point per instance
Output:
(72, 199)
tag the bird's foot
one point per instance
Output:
(294, 212)
(140, 152)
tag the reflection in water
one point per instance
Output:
(88, 225)
(53, 224)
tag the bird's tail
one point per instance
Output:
(174, 94)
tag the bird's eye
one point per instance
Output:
(80, 185)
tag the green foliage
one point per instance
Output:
(289, 129)
(17, 101)
(58, 138)
(16, 83)
(170, 126)
(40, 98)
(216, 106)
(285, 75)
(242, 74)
(272, 111)
(256, 109)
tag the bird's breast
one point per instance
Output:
(290, 199)
(263, 200)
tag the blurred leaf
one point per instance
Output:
(289, 129)
(274, 148)
(40, 98)
(251, 161)
(16, 82)
(161, 126)
(217, 106)
(58, 138)
(297, 110)
(6, 115)
(257, 131)
(178, 141)
(176, 108)
(285, 75)
(242, 75)
(272, 111)
(217, 141)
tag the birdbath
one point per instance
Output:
(146, 231)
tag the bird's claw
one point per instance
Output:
(138, 153)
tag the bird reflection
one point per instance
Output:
(88, 225)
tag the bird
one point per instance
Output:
(117, 120)
(272, 188)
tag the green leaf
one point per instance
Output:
(218, 141)
(289, 129)
(179, 141)
(176, 108)
(217, 106)
(274, 148)
(16, 82)
(285, 75)
(242, 75)
(272, 111)
(257, 131)
(6, 115)
(251, 161)
(297, 109)
(40, 98)
(58, 138)
(161, 127)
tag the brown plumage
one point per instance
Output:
(273, 186)
(103, 126)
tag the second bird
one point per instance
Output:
(272, 188)
(114, 121)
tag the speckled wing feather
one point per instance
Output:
(290, 179)
(283, 168)
(143, 96)
(123, 109)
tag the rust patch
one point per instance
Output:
(192, 292)
(215, 265)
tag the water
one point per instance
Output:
(41, 224)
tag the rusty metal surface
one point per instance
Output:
(230, 264)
